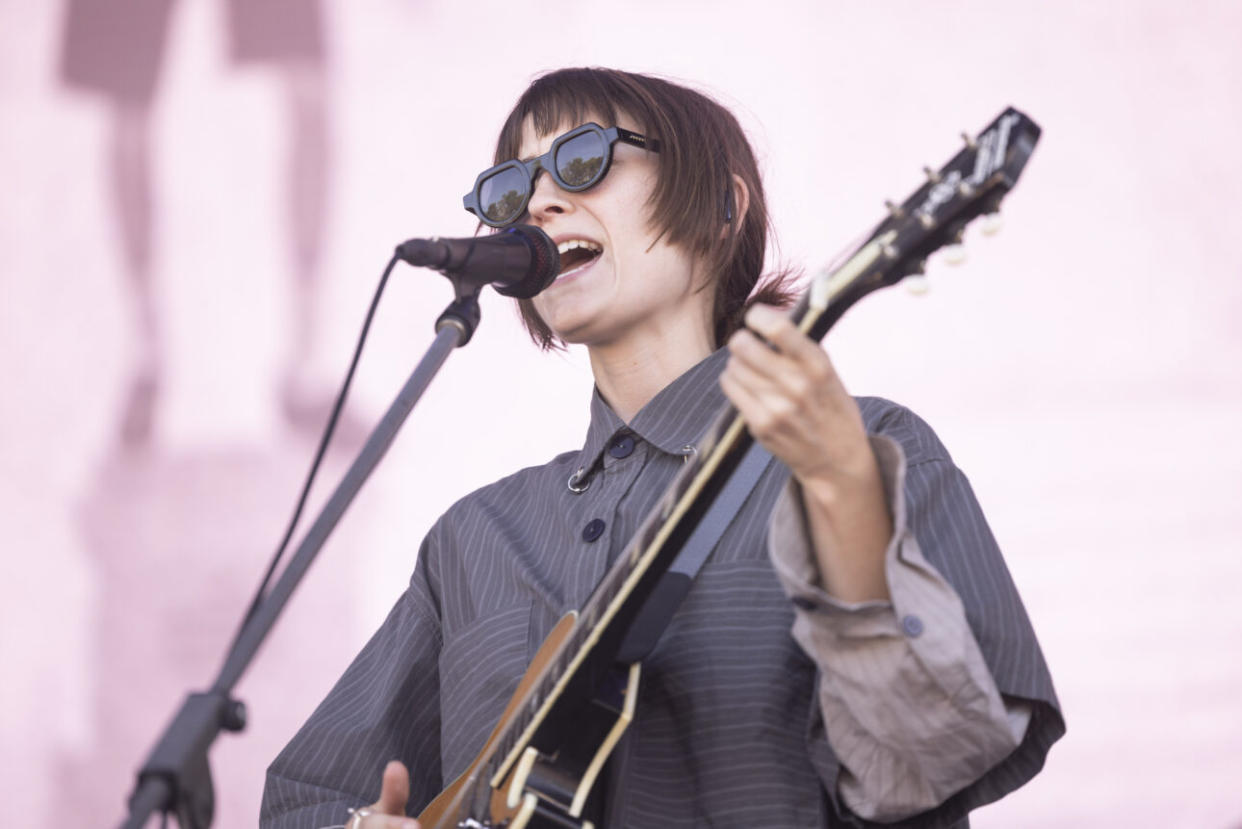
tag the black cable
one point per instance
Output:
(261, 593)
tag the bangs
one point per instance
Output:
(661, 111)
(568, 99)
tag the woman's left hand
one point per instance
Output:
(793, 401)
(794, 404)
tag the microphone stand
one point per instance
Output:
(176, 777)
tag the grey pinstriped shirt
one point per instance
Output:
(878, 710)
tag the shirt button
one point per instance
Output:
(622, 447)
(593, 530)
(912, 625)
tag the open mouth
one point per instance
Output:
(576, 255)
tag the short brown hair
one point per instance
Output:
(701, 147)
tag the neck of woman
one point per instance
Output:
(630, 373)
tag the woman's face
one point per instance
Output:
(636, 287)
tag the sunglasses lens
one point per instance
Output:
(501, 194)
(580, 159)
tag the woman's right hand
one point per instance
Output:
(389, 811)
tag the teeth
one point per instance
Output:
(572, 244)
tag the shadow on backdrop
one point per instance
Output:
(116, 49)
(178, 541)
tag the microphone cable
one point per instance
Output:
(261, 594)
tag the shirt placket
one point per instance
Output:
(599, 528)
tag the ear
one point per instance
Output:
(738, 205)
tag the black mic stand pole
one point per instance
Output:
(176, 777)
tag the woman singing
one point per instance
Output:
(852, 652)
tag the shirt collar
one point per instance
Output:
(672, 420)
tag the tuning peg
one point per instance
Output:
(894, 210)
(992, 223)
(955, 254)
(916, 284)
(932, 175)
(914, 280)
(970, 142)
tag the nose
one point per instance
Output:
(547, 199)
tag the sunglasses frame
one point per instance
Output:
(547, 161)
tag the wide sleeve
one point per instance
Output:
(938, 701)
(386, 706)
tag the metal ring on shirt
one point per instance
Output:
(576, 479)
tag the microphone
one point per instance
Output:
(519, 261)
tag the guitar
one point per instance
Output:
(573, 704)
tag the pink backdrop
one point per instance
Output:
(1082, 366)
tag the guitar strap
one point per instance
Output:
(671, 590)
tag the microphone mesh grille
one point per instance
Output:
(545, 263)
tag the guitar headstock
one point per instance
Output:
(971, 184)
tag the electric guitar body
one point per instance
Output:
(563, 777)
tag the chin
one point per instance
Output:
(578, 330)
(579, 335)
(573, 322)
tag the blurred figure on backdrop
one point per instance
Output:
(852, 653)
(116, 49)
(171, 535)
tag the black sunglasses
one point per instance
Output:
(577, 161)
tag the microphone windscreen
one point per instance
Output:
(545, 263)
